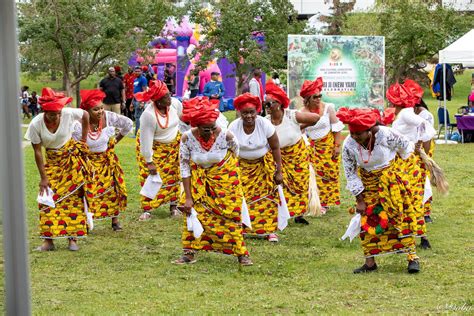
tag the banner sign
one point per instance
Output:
(352, 68)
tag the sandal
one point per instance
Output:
(146, 216)
(45, 248)
(185, 259)
(116, 227)
(245, 261)
(273, 238)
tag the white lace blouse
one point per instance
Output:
(38, 133)
(327, 123)
(113, 121)
(388, 143)
(288, 131)
(191, 149)
(427, 116)
(412, 126)
(150, 130)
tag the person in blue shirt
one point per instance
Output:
(139, 84)
(214, 89)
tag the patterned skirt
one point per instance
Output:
(416, 177)
(295, 167)
(166, 160)
(388, 188)
(106, 193)
(326, 169)
(261, 194)
(217, 195)
(67, 169)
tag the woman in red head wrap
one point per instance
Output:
(325, 139)
(419, 131)
(63, 174)
(210, 173)
(106, 193)
(294, 153)
(158, 146)
(372, 158)
(261, 170)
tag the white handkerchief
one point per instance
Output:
(193, 224)
(245, 214)
(89, 215)
(151, 186)
(428, 190)
(353, 230)
(46, 198)
(283, 213)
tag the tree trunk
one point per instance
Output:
(65, 81)
(78, 94)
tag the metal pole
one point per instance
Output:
(444, 105)
(17, 288)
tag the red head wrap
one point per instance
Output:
(91, 98)
(117, 68)
(388, 116)
(311, 87)
(247, 100)
(199, 110)
(275, 92)
(405, 95)
(145, 68)
(358, 120)
(155, 92)
(53, 101)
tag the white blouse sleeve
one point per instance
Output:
(291, 114)
(336, 125)
(76, 114)
(184, 157)
(77, 131)
(399, 143)
(232, 143)
(354, 183)
(120, 122)
(32, 134)
(147, 134)
(268, 127)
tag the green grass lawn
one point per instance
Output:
(309, 271)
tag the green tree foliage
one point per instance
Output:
(81, 35)
(229, 29)
(414, 31)
(336, 21)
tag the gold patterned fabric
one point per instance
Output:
(261, 194)
(66, 169)
(166, 160)
(326, 169)
(217, 195)
(106, 192)
(295, 166)
(388, 187)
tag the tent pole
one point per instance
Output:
(17, 287)
(444, 105)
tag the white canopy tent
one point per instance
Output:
(459, 52)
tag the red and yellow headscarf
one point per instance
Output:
(405, 95)
(311, 87)
(51, 101)
(199, 111)
(91, 98)
(247, 100)
(277, 93)
(155, 92)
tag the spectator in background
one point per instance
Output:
(148, 74)
(33, 104)
(140, 84)
(128, 85)
(169, 79)
(193, 83)
(24, 101)
(215, 90)
(256, 87)
(114, 91)
(276, 79)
